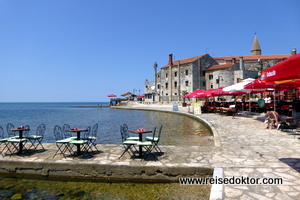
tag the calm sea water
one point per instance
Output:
(177, 129)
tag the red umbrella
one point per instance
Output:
(221, 92)
(111, 95)
(198, 94)
(287, 69)
(258, 83)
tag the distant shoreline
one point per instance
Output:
(90, 106)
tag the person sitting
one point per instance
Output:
(267, 99)
(272, 119)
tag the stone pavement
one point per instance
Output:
(244, 148)
(248, 149)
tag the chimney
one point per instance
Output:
(294, 51)
(170, 59)
(241, 63)
(233, 60)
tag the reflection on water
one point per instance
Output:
(12, 188)
(178, 130)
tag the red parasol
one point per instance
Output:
(287, 69)
(221, 92)
(198, 94)
(259, 84)
(111, 95)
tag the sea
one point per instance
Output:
(178, 130)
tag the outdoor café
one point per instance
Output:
(277, 89)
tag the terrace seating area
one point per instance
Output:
(76, 142)
(24, 140)
(231, 108)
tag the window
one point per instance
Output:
(175, 74)
(158, 86)
(211, 77)
(175, 94)
(238, 80)
(167, 85)
(175, 84)
(186, 83)
(158, 76)
(186, 72)
(166, 75)
(203, 83)
(211, 86)
(217, 81)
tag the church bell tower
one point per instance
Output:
(256, 50)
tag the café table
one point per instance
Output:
(78, 131)
(140, 132)
(20, 130)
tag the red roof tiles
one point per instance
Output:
(220, 66)
(255, 57)
(184, 61)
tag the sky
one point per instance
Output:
(84, 50)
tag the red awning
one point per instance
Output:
(287, 69)
(198, 94)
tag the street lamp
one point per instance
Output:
(155, 80)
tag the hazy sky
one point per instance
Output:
(83, 50)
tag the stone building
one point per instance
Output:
(205, 72)
(181, 75)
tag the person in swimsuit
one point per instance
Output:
(272, 119)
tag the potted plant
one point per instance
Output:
(184, 92)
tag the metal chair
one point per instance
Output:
(67, 134)
(126, 132)
(36, 140)
(4, 142)
(10, 133)
(127, 144)
(26, 131)
(87, 133)
(62, 144)
(83, 146)
(156, 140)
(93, 138)
(149, 144)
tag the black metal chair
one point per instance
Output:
(93, 137)
(156, 140)
(3, 141)
(10, 133)
(127, 144)
(62, 144)
(87, 133)
(126, 132)
(36, 140)
(26, 131)
(67, 134)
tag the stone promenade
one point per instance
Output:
(243, 148)
(248, 149)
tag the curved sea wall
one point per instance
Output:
(185, 111)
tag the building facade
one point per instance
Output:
(181, 76)
(204, 72)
